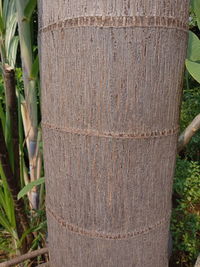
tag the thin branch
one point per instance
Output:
(189, 132)
(24, 257)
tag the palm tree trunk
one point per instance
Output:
(111, 88)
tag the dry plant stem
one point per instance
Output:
(24, 257)
(189, 132)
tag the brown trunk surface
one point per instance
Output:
(111, 87)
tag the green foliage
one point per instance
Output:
(9, 51)
(195, 5)
(185, 224)
(194, 69)
(193, 56)
(29, 186)
(7, 213)
(29, 9)
(8, 24)
(193, 52)
(191, 108)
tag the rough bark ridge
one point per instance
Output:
(111, 85)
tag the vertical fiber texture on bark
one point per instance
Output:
(111, 87)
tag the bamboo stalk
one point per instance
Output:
(11, 104)
(30, 121)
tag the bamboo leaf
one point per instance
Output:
(10, 32)
(194, 69)
(11, 12)
(7, 198)
(30, 7)
(5, 9)
(2, 199)
(7, 208)
(29, 186)
(12, 51)
(5, 223)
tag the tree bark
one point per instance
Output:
(111, 88)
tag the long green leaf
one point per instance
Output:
(30, 7)
(5, 223)
(2, 199)
(11, 23)
(29, 186)
(7, 216)
(11, 10)
(5, 9)
(194, 69)
(12, 50)
(10, 32)
(7, 208)
(2, 27)
(8, 199)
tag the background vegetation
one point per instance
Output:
(22, 141)
(185, 222)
